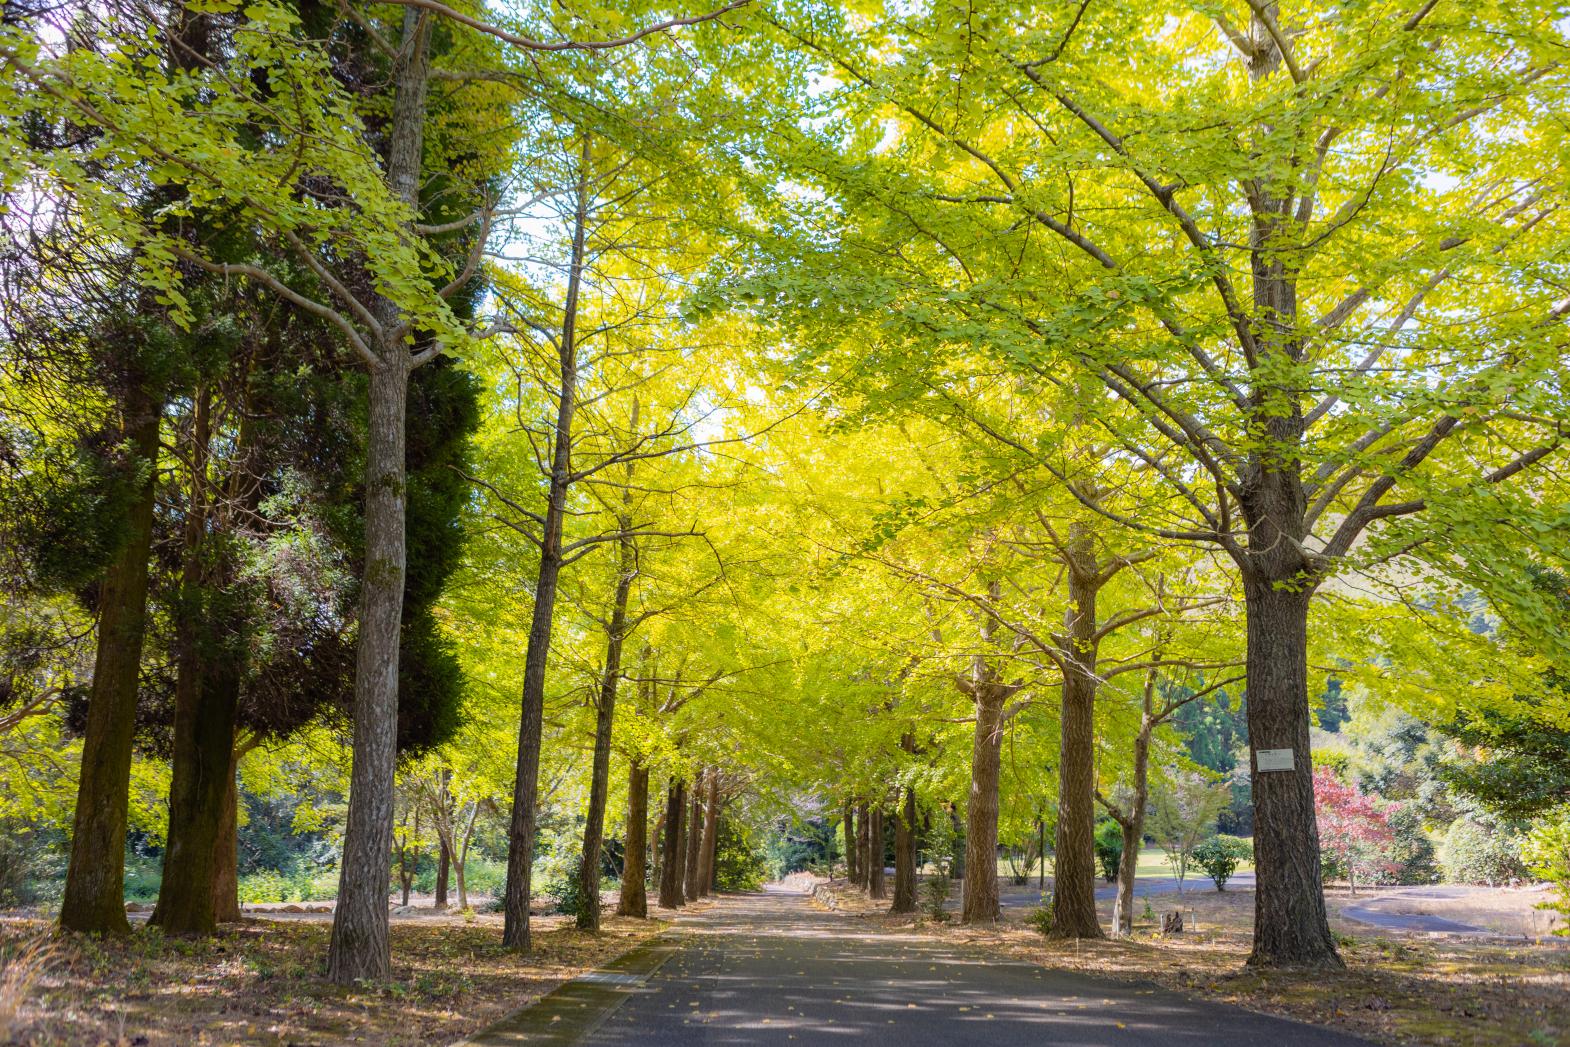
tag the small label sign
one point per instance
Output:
(1273, 759)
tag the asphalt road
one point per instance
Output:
(769, 969)
(1370, 912)
(1012, 899)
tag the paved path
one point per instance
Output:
(1370, 912)
(769, 969)
(1012, 898)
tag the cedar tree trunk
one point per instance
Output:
(94, 898)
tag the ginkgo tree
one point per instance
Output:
(1302, 262)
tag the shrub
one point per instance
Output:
(1412, 851)
(738, 865)
(288, 885)
(143, 877)
(1109, 849)
(568, 892)
(1547, 855)
(1355, 834)
(1219, 857)
(32, 866)
(935, 895)
(1477, 852)
(483, 876)
(1041, 916)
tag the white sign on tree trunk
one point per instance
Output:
(1273, 759)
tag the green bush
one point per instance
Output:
(935, 895)
(32, 865)
(1040, 917)
(1219, 857)
(1109, 849)
(568, 892)
(1547, 855)
(1413, 852)
(738, 864)
(143, 877)
(1477, 852)
(483, 876)
(272, 886)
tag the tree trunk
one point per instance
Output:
(875, 884)
(226, 877)
(1074, 878)
(520, 846)
(863, 846)
(695, 840)
(711, 828)
(94, 898)
(1132, 822)
(980, 900)
(1290, 925)
(360, 948)
(207, 696)
(634, 891)
(605, 714)
(443, 862)
(460, 859)
(905, 854)
(199, 799)
(674, 850)
(848, 823)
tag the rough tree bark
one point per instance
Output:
(359, 947)
(980, 901)
(674, 850)
(1074, 878)
(875, 879)
(226, 877)
(1290, 924)
(711, 828)
(634, 899)
(198, 802)
(905, 853)
(94, 898)
(207, 692)
(520, 849)
(1291, 928)
(863, 846)
(443, 867)
(985, 685)
(694, 840)
(848, 823)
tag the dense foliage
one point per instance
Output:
(542, 448)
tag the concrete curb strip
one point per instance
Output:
(572, 1011)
